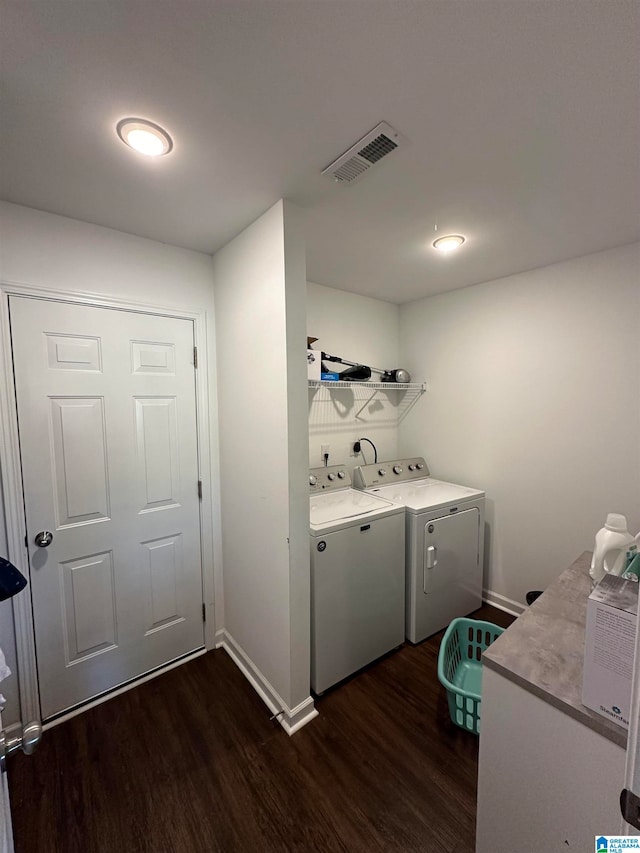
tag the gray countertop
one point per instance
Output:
(543, 650)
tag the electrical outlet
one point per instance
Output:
(324, 450)
(354, 448)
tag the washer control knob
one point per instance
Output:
(341, 475)
(331, 477)
(397, 469)
(312, 479)
(412, 467)
(420, 466)
(382, 472)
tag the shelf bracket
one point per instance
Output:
(364, 405)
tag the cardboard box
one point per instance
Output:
(313, 364)
(612, 615)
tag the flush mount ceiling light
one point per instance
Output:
(144, 136)
(449, 243)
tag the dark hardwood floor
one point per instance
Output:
(191, 762)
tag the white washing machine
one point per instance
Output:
(357, 576)
(444, 541)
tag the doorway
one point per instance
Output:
(107, 420)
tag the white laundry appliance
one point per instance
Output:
(357, 576)
(444, 541)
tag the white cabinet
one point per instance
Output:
(550, 770)
(546, 782)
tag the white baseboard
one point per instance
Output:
(295, 718)
(503, 603)
(291, 719)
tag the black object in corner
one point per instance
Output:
(12, 581)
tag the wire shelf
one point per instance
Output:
(374, 386)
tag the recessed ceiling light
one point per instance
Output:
(449, 243)
(144, 136)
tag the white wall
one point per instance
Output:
(533, 396)
(260, 316)
(295, 266)
(49, 251)
(56, 252)
(363, 330)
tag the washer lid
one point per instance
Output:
(346, 503)
(427, 493)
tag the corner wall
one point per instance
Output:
(260, 316)
(533, 396)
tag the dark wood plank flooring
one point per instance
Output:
(191, 762)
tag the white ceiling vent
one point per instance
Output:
(379, 142)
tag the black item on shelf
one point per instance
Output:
(360, 372)
(532, 595)
(12, 581)
(355, 373)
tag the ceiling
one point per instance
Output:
(521, 119)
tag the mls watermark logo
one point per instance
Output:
(616, 843)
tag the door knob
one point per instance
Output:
(43, 539)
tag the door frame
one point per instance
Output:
(13, 495)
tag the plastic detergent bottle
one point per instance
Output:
(612, 541)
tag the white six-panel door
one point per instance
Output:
(107, 421)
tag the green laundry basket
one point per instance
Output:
(460, 668)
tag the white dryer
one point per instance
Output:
(444, 541)
(357, 576)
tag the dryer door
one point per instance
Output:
(451, 570)
(451, 550)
